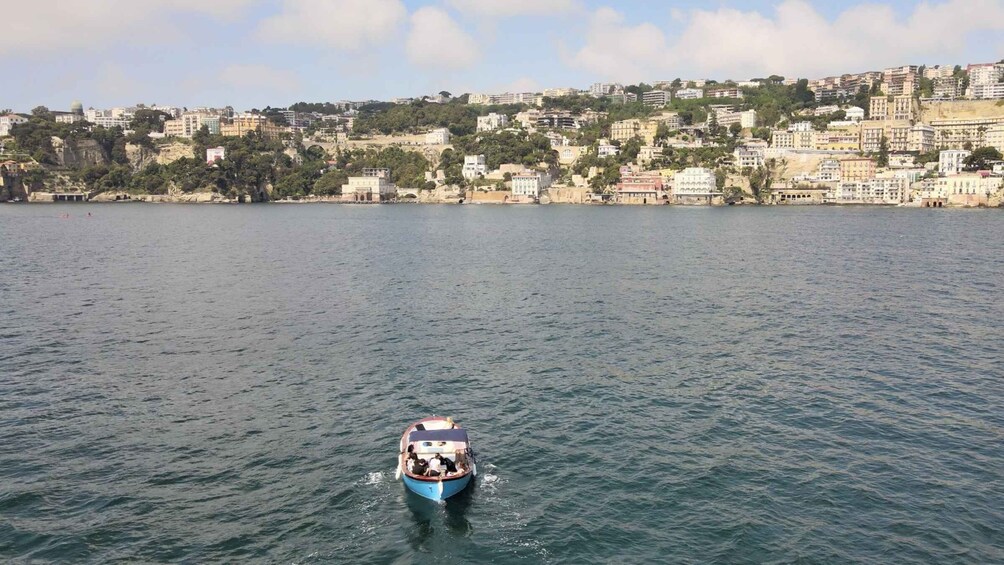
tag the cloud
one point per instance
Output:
(508, 8)
(47, 26)
(260, 78)
(350, 25)
(794, 40)
(522, 84)
(436, 41)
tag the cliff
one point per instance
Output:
(80, 153)
(139, 156)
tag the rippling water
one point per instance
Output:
(211, 384)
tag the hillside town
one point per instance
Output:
(925, 136)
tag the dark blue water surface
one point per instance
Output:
(220, 384)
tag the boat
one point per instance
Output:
(431, 437)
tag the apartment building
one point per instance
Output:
(627, 129)
(689, 94)
(860, 168)
(732, 92)
(899, 81)
(955, 133)
(492, 121)
(952, 161)
(474, 166)
(888, 190)
(745, 119)
(656, 98)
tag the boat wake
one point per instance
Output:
(374, 478)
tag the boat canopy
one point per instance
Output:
(459, 435)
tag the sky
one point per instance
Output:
(256, 53)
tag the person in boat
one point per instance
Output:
(420, 467)
(446, 463)
(411, 460)
(434, 467)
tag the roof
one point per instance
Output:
(438, 435)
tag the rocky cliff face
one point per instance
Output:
(140, 157)
(79, 153)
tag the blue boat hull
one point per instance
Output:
(437, 490)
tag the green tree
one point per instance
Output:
(883, 153)
(982, 158)
(735, 129)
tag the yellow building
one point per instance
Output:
(857, 169)
(241, 125)
(844, 138)
(626, 129)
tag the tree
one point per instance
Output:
(150, 120)
(677, 83)
(720, 177)
(735, 129)
(883, 153)
(42, 112)
(445, 94)
(982, 158)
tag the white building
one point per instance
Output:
(951, 161)
(9, 121)
(528, 184)
(214, 153)
(439, 136)
(749, 157)
(474, 166)
(891, 190)
(854, 113)
(992, 91)
(689, 93)
(374, 186)
(968, 183)
(657, 98)
(695, 181)
(492, 121)
(480, 99)
(606, 149)
(745, 119)
(828, 171)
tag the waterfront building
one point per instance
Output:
(474, 166)
(374, 185)
(639, 187)
(695, 184)
(952, 161)
(527, 185)
(885, 190)
(971, 184)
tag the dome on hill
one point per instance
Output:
(76, 107)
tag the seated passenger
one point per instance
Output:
(445, 462)
(420, 467)
(434, 467)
